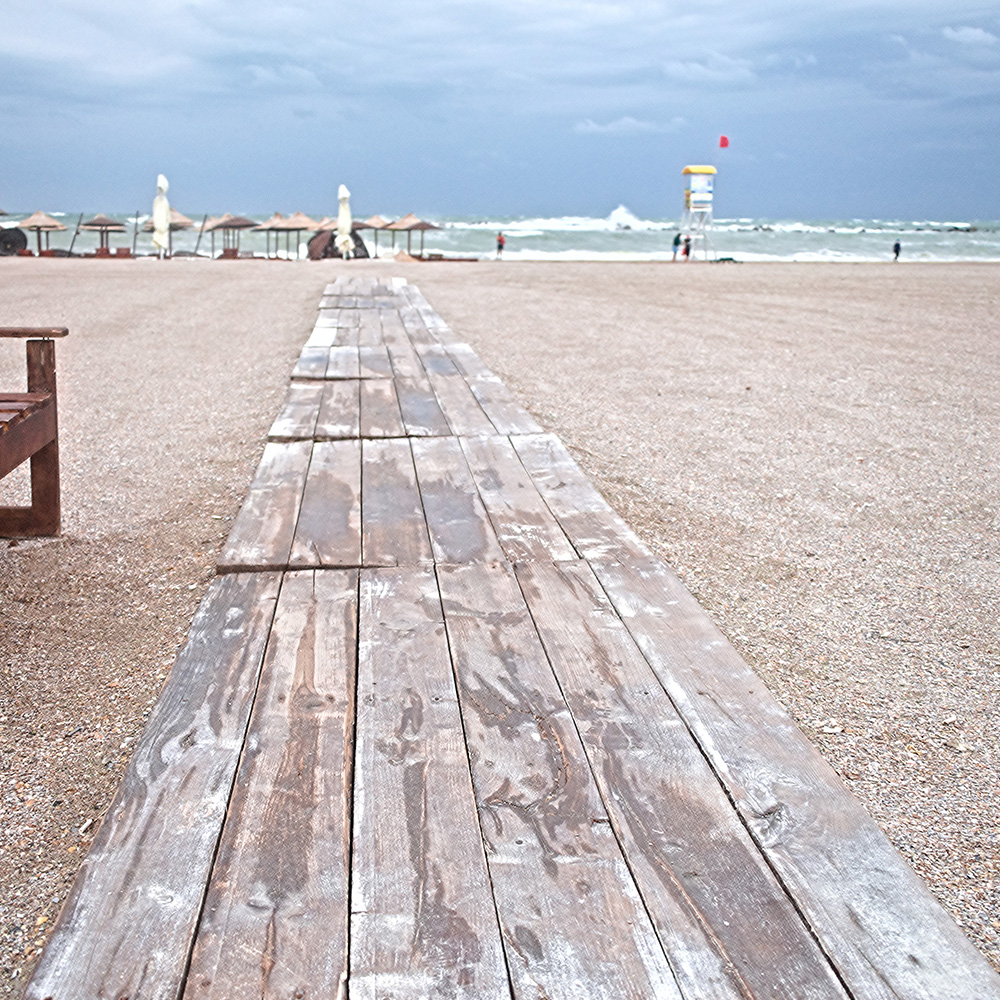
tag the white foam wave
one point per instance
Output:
(620, 220)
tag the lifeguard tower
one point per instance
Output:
(697, 219)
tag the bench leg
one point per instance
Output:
(44, 516)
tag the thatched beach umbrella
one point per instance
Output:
(296, 223)
(41, 223)
(410, 224)
(230, 225)
(267, 227)
(376, 222)
(102, 225)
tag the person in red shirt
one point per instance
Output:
(501, 243)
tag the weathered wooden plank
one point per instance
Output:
(380, 416)
(343, 362)
(312, 363)
(324, 334)
(423, 922)
(405, 360)
(296, 420)
(871, 913)
(573, 921)
(394, 531)
(435, 325)
(436, 360)
(459, 526)
(393, 331)
(340, 411)
(370, 325)
(522, 521)
(328, 532)
(374, 362)
(261, 536)
(505, 412)
(706, 885)
(467, 361)
(413, 324)
(276, 914)
(595, 530)
(127, 925)
(465, 416)
(422, 415)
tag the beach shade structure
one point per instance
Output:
(102, 225)
(229, 226)
(410, 224)
(376, 222)
(41, 223)
(296, 223)
(267, 227)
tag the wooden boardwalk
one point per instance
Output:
(444, 727)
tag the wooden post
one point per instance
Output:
(46, 514)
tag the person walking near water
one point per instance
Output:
(686, 252)
(501, 243)
(677, 245)
(895, 250)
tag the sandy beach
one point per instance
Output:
(812, 447)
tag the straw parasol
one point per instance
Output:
(410, 224)
(266, 227)
(376, 222)
(41, 223)
(103, 225)
(296, 223)
(230, 225)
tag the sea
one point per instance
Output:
(618, 236)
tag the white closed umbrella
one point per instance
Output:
(345, 241)
(161, 216)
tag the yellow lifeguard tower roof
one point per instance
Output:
(699, 170)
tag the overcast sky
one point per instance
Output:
(834, 108)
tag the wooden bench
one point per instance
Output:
(29, 430)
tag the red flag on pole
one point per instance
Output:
(723, 141)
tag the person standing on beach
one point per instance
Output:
(677, 245)
(895, 250)
(686, 252)
(501, 243)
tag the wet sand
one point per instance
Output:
(811, 447)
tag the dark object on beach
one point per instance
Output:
(895, 250)
(11, 241)
(324, 244)
(28, 431)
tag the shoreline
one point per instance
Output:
(816, 460)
